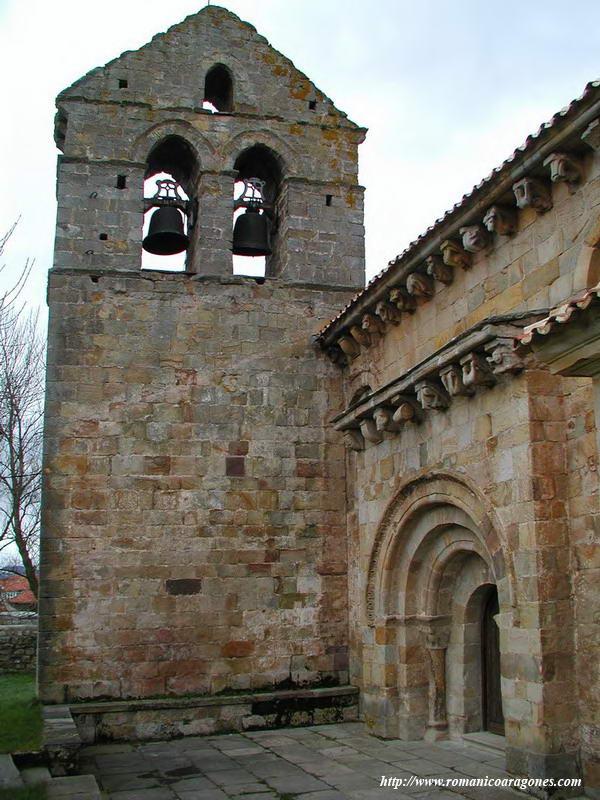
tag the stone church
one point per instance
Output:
(291, 499)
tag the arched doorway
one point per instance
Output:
(491, 692)
(437, 572)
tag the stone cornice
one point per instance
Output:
(470, 361)
(552, 156)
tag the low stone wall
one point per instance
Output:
(169, 718)
(18, 648)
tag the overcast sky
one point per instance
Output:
(447, 88)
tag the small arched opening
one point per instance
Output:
(257, 162)
(171, 161)
(218, 89)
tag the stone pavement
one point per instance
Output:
(321, 762)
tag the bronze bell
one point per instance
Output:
(251, 234)
(165, 235)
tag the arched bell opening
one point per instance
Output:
(169, 191)
(255, 194)
(218, 89)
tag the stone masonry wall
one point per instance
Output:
(18, 648)
(194, 500)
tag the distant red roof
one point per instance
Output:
(20, 585)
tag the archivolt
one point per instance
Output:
(203, 149)
(285, 153)
(432, 519)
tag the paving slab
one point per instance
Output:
(321, 762)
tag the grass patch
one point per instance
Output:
(21, 714)
(28, 793)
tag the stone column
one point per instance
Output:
(436, 634)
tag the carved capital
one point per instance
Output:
(402, 300)
(564, 167)
(452, 379)
(431, 396)
(361, 337)
(353, 440)
(505, 358)
(454, 255)
(419, 285)
(475, 238)
(591, 135)
(438, 270)
(349, 346)
(435, 631)
(476, 371)
(370, 432)
(533, 193)
(388, 313)
(501, 219)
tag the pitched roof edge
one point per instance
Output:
(206, 9)
(577, 115)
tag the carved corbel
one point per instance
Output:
(349, 346)
(476, 371)
(372, 325)
(564, 167)
(335, 354)
(354, 439)
(475, 238)
(451, 377)
(406, 409)
(431, 396)
(533, 193)
(591, 135)
(402, 300)
(454, 255)
(419, 285)
(369, 430)
(384, 421)
(501, 219)
(438, 270)
(387, 313)
(505, 358)
(361, 337)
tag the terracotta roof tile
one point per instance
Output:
(560, 314)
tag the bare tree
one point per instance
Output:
(21, 416)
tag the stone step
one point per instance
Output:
(9, 774)
(486, 741)
(74, 787)
(34, 775)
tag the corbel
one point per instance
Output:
(372, 325)
(454, 255)
(354, 440)
(566, 168)
(402, 299)
(438, 270)
(451, 377)
(476, 371)
(348, 346)
(387, 313)
(383, 418)
(431, 396)
(475, 238)
(419, 285)
(370, 432)
(504, 357)
(501, 219)
(533, 193)
(406, 409)
(361, 337)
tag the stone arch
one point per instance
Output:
(438, 541)
(420, 510)
(284, 153)
(587, 270)
(204, 151)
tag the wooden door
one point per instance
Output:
(493, 718)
